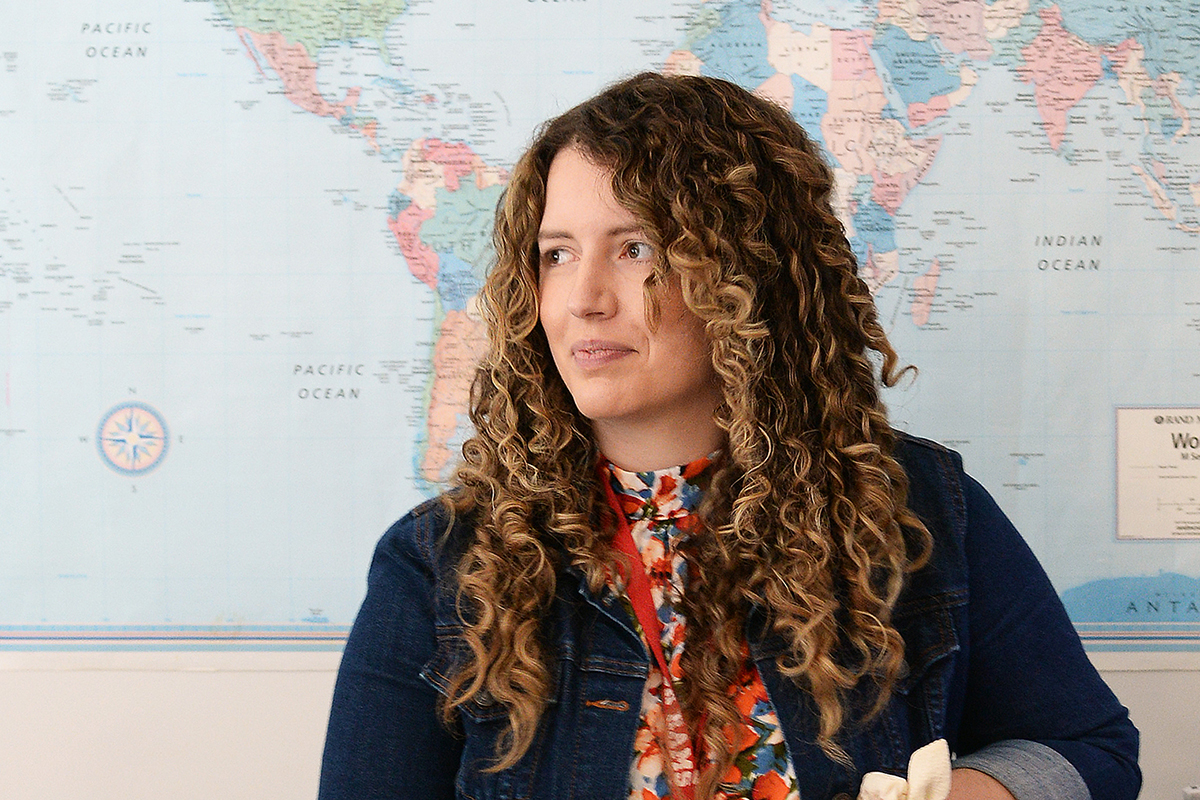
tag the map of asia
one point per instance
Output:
(240, 243)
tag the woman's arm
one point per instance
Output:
(385, 739)
(1036, 710)
(969, 784)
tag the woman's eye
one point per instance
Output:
(639, 251)
(555, 256)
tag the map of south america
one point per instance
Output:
(441, 215)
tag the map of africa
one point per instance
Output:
(240, 242)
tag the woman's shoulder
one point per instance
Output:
(936, 482)
(433, 533)
(937, 495)
(920, 455)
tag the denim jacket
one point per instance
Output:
(993, 666)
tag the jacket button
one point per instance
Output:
(841, 796)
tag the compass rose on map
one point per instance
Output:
(132, 438)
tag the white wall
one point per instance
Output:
(1162, 691)
(163, 726)
(227, 726)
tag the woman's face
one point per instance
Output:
(636, 383)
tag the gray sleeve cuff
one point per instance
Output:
(1029, 770)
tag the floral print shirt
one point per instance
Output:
(660, 508)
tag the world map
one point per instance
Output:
(244, 238)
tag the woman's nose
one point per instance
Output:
(592, 292)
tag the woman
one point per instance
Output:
(685, 555)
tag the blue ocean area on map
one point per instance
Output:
(737, 51)
(918, 70)
(1166, 597)
(842, 14)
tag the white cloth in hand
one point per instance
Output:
(928, 777)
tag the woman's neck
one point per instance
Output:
(645, 448)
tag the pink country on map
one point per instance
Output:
(924, 290)
(682, 62)
(457, 161)
(422, 261)
(1062, 68)
(923, 113)
(298, 72)
(779, 89)
(460, 343)
(851, 52)
(958, 25)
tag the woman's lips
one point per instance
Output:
(598, 352)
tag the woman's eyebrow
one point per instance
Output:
(620, 230)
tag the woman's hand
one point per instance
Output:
(971, 784)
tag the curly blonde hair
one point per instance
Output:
(806, 516)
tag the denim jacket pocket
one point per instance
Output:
(930, 644)
(483, 723)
